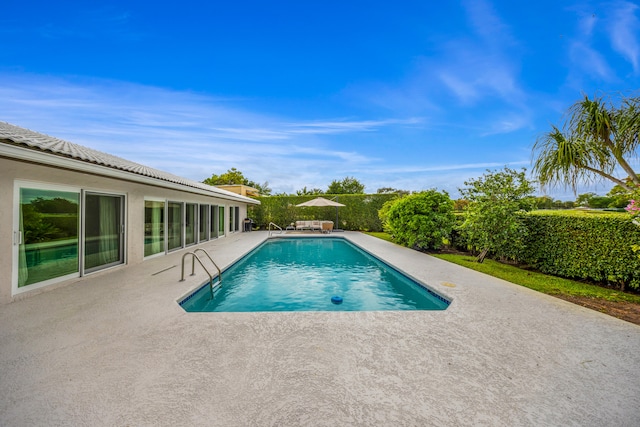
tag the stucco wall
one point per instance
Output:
(12, 171)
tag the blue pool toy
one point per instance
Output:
(336, 299)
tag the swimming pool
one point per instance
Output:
(312, 274)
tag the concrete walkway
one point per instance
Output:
(117, 350)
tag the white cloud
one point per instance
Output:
(332, 127)
(590, 61)
(465, 90)
(486, 65)
(192, 135)
(590, 57)
(188, 134)
(624, 28)
(486, 23)
(508, 122)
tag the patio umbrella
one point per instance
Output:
(321, 201)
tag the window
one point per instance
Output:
(213, 222)
(234, 218)
(153, 227)
(174, 225)
(186, 224)
(103, 231)
(190, 224)
(221, 221)
(47, 246)
(203, 223)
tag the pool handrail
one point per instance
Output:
(276, 226)
(193, 263)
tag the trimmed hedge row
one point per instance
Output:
(583, 246)
(360, 212)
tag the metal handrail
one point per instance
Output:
(193, 263)
(276, 226)
(212, 262)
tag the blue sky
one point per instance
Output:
(406, 94)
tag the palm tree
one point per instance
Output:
(597, 139)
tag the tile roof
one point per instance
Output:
(18, 136)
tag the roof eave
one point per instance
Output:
(32, 155)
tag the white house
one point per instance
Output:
(68, 211)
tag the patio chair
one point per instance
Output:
(327, 226)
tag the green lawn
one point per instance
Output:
(380, 235)
(540, 282)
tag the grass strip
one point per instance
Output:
(540, 282)
(380, 235)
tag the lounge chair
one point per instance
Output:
(315, 225)
(303, 225)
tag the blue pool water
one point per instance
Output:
(312, 274)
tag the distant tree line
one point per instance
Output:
(617, 198)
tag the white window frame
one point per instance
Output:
(17, 233)
(123, 231)
(166, 241)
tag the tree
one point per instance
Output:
(601, 202)
(420, 220)
(391, 190)
(304, 191)
(547, 202)
(347, 186)
(584, 199)
(491, 222)
(619, 196)
(543, 202)
(460, 204)
(597, 138)
(234, 176)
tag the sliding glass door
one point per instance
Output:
(174, 225)
(48, 237)
(64, 232)
(203, 223)
(236, 219)
(153, 227)
(221, 221)
(213, 221)
(190, 224)
(104, 231)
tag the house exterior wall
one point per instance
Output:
(12, 171)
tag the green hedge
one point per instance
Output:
(360, 212)
(583, 246)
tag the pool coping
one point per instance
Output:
(116, 349)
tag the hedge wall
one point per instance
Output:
(583, 246)
(360, 212)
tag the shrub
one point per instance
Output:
(421, 220)
(491, 224)
(578, 245)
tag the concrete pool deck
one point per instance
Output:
(117, 350)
